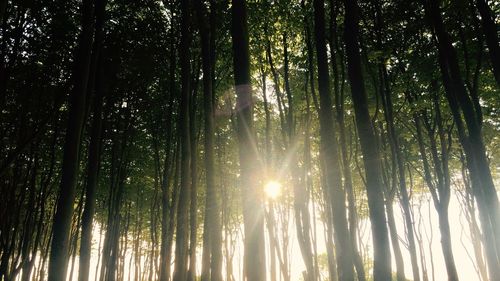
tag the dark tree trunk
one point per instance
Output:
(393, 139)
(212, 232)
(490, 30)
(472, 141)
(118, 176)
(90, 192)
(253, 210)
(167, 214)
(174, 202)
(62, 219)
(390, 181)
(329, 151)
(182, 233)
(371, 154)
(276, 80)
(300, 194)
(94, 146)
(193, 207)
(338, 86)
(439, 185)
(395, 242)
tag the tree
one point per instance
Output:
(440, 188)
(62, 219)
(490, 32)
(212, 232)
(95, 143)
(181, 246)
(371, 154)
(462, 107)
(330, 153)
(253, 216)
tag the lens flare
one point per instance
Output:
(272, 189)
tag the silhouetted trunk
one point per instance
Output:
(461, 105)
(468, 205)
(94, 150)
(118, 175)
(367, 138)
(172, 214)
(193, 207)
(329, 151)
(310, 55)
(400, 273)
(338, 87)
(182, 233)
(212, 232)
(167, 213)
(253, 210)
(390, 181)
(490, 30)
(90, 191)
(439, 184)
(62, 219)
(276, 80)
(393, 139)
(153, 218)
(300, 194)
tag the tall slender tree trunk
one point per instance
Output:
(212, 232)
(118, 177)
(90, 192)
(182, 233)
(174, 203)
(167, 213)
(269, 215)
(371, 154)
(300, 194)
(193, 207)
(472, 142)
(490, 30)
(393, 138)
(395, 242)
(94, 146)
(62, 219)
(338, 87)
(471, 216)
(329, 151)
(439, 186)
(253, 210)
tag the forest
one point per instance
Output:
(252, 140)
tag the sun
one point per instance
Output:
(272, 189)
